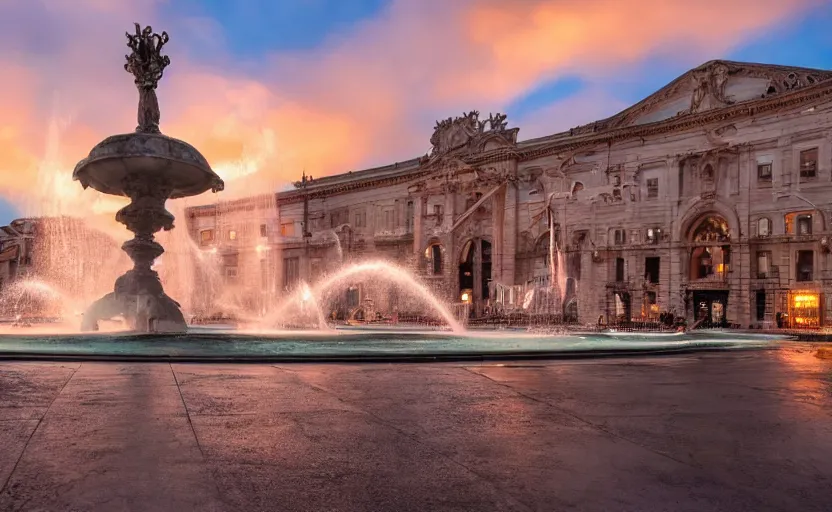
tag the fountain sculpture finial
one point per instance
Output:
(147, 65)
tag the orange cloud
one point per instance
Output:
(366, 97)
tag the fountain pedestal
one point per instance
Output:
(149, 168)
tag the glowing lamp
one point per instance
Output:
(465, 297)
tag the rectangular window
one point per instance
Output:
(620, 237)
(763, 227)
(263, 231)
(410, 214)
(763, 264)
(291, 272)
(389, 219)
(232, 235)
(619, 270)
(764, 172)
(804, 225)
(231, 260)
(760, 301)
(809, 163)
(651, 269)
(287, 229)
(206, 236)
(339, 217)
(652, 188)
(805, 266)
(360, 219)
(438, 213)
(436, 257)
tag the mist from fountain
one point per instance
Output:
(41, 308)
(34, 298)
(301, 309)
(338, 249)
(375, 269)
(557, 265)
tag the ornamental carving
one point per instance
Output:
(147, 65)
(454, 133)
(709, 90)
(792, 80)
(709, 82)
(712, 229)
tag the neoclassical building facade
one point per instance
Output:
(709, 199)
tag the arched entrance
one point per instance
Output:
(709, 261)
(475, 274)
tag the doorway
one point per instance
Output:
(711, 307)
(475, 266)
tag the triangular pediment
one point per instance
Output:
(715, 84)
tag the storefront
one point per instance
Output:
(805, 310)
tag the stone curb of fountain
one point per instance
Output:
(795, 335)
(378, 358)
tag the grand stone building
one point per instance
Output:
(709, 199)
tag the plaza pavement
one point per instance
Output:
(728, 431)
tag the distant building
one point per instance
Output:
(16, 246)
(63, 251)
(709, 199)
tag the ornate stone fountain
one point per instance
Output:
(149, 168)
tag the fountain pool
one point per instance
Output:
(362, 344)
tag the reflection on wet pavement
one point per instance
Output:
(717, 431)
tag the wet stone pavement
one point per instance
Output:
(729, 431)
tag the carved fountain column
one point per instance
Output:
(149, 168)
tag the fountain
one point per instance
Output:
(149, 168)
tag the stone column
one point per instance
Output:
(498, 201)
(505, 258)
(476, 274)
(418, 231)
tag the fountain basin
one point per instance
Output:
(154, 158)
(216, 345)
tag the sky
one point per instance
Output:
(268, 89)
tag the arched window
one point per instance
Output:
(433, 259)
(711, 254)
(763, 227)
(711, 229)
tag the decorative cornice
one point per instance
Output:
(707, 86)
(680, 123)
(237, 205)
(297, 196)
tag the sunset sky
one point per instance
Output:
(268, 88)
